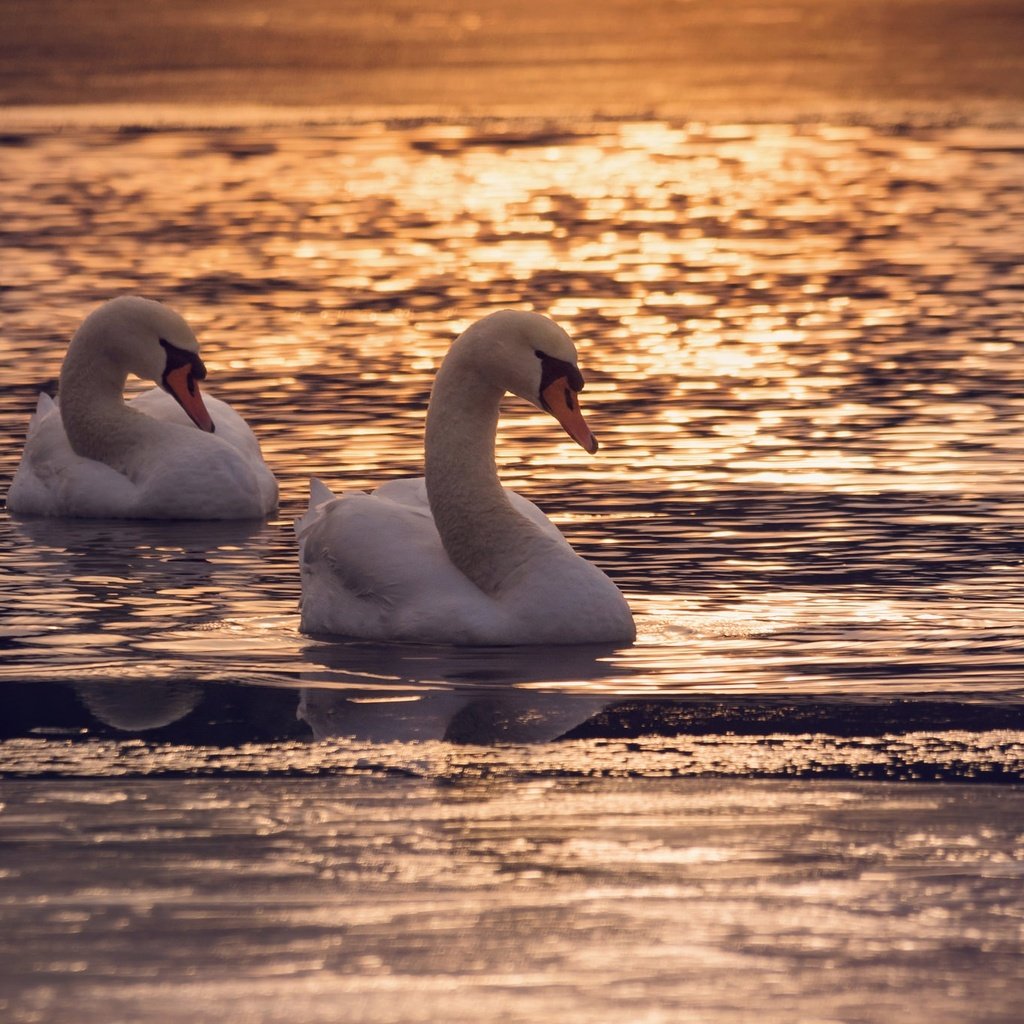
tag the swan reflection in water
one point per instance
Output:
(367, 692)
(462, 695)
(139, 706)
(123, 583)
(114, 584)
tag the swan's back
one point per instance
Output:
(176, 472)
(51, 480)
(373, 566)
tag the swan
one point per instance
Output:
(91, 455)
(454, 557)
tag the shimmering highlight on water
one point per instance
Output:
(801, 347)
(405, 900)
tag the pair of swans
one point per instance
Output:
(449, 558)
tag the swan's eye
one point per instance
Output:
(552, 369)
(179, 357)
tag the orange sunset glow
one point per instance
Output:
(510, 511)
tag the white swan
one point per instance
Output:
(94, 456)
(455, 557)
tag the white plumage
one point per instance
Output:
(454, 557)
(92, 455)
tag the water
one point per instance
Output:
(802, 347)
(399, 900)
(802, 352)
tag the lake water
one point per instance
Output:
(803, 352)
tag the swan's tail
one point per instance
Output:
(319, 492)
(44, 406)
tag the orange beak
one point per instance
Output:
(560, 400)
(182, 385)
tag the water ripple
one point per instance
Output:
(802, 347)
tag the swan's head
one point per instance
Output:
(532, 357)
(153, 342)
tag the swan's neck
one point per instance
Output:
(485, 538)
(96, 420)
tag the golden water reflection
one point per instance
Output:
(511, 898)
(800, 346)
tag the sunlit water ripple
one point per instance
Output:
(803, 357)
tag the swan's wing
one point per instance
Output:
(181, 474)
(159, 405)
(228, 424)
(319, 494)
(45, 406)
(228, 474)
(52, 480)
(413, 493)
(375, 549)
(375, 567)
(526, 508)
